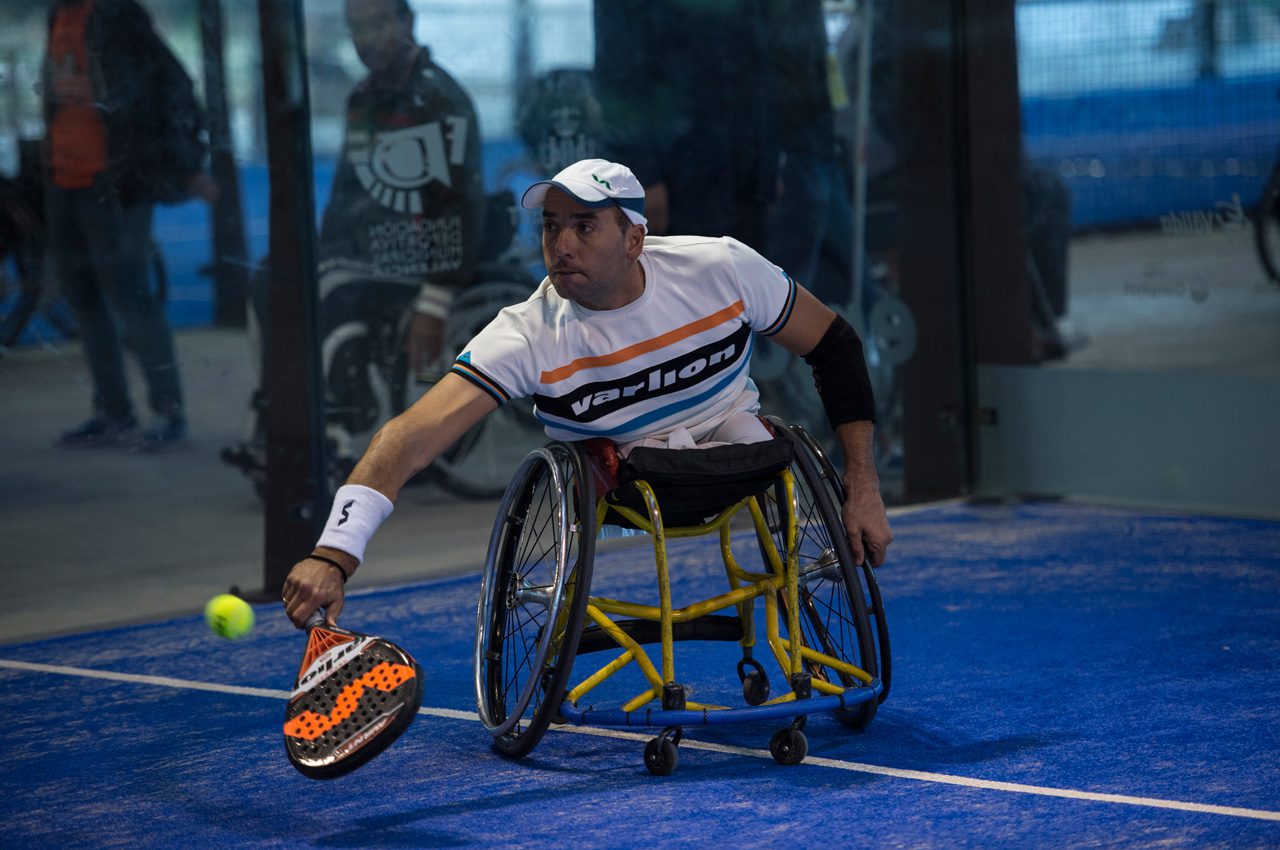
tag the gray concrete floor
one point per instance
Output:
(99, 537)
(1157, 302)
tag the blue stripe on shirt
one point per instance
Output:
(660, 413)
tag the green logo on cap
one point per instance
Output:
(604, 183)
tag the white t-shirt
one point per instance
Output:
(676, 357)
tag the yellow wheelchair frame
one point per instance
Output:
(822, 672)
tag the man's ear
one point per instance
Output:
(635, 241)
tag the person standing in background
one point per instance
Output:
(123, 132)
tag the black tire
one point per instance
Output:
(789, 746)
(834, 618)
(661, 756)
(755, 688)
(1266, 226)
(534, 596)
(874, 601)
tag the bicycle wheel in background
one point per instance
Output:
(1266, 226)
(479, 466)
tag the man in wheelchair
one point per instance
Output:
(639, 347)
(644, 341)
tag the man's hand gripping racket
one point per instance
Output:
(354, 695)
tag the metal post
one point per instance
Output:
(297, 496)
(866, 14)
(1204, 18)
(523, 47)
(229, 267)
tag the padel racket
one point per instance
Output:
(354, 695)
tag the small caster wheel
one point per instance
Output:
(661, 756)
(789, 746)
(755, 682)
(755, 688)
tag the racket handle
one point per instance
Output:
(316, 618)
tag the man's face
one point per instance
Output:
(380, 34)
(586, 251)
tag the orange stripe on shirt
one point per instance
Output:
(631, 351)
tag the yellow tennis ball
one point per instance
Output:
(229, 616)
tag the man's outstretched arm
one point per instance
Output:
(401, 448)
(826, 341)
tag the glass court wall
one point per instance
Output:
(1150, 130)
(764, 146)
(794, 126)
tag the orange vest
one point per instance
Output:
(78, 135)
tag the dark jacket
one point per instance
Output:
(408, 194)
(154, 125)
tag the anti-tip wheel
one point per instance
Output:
(789, 746)
(755, 688)
(661, 756)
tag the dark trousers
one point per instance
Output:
(99, 251)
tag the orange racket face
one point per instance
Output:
(354, 695)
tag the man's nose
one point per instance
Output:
(564, 243)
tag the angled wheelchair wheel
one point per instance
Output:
(874, 602)
(834, 616)
(534, 596)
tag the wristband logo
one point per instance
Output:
(346, 511)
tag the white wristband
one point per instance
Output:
(434, 300)
(357, 512)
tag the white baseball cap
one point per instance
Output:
(594, 183)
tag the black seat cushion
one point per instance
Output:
(693, 485)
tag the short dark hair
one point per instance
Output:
(623, 221)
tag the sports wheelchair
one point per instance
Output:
(824, 622)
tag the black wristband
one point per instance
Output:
(840, 374)
(331, 562)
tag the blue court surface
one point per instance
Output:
(1064, 676)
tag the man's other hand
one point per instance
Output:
(866, 522)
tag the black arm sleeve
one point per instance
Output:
(840, 374)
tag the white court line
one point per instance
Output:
(948, 779)
(855, 767)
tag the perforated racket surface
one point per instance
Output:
(354, 695)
